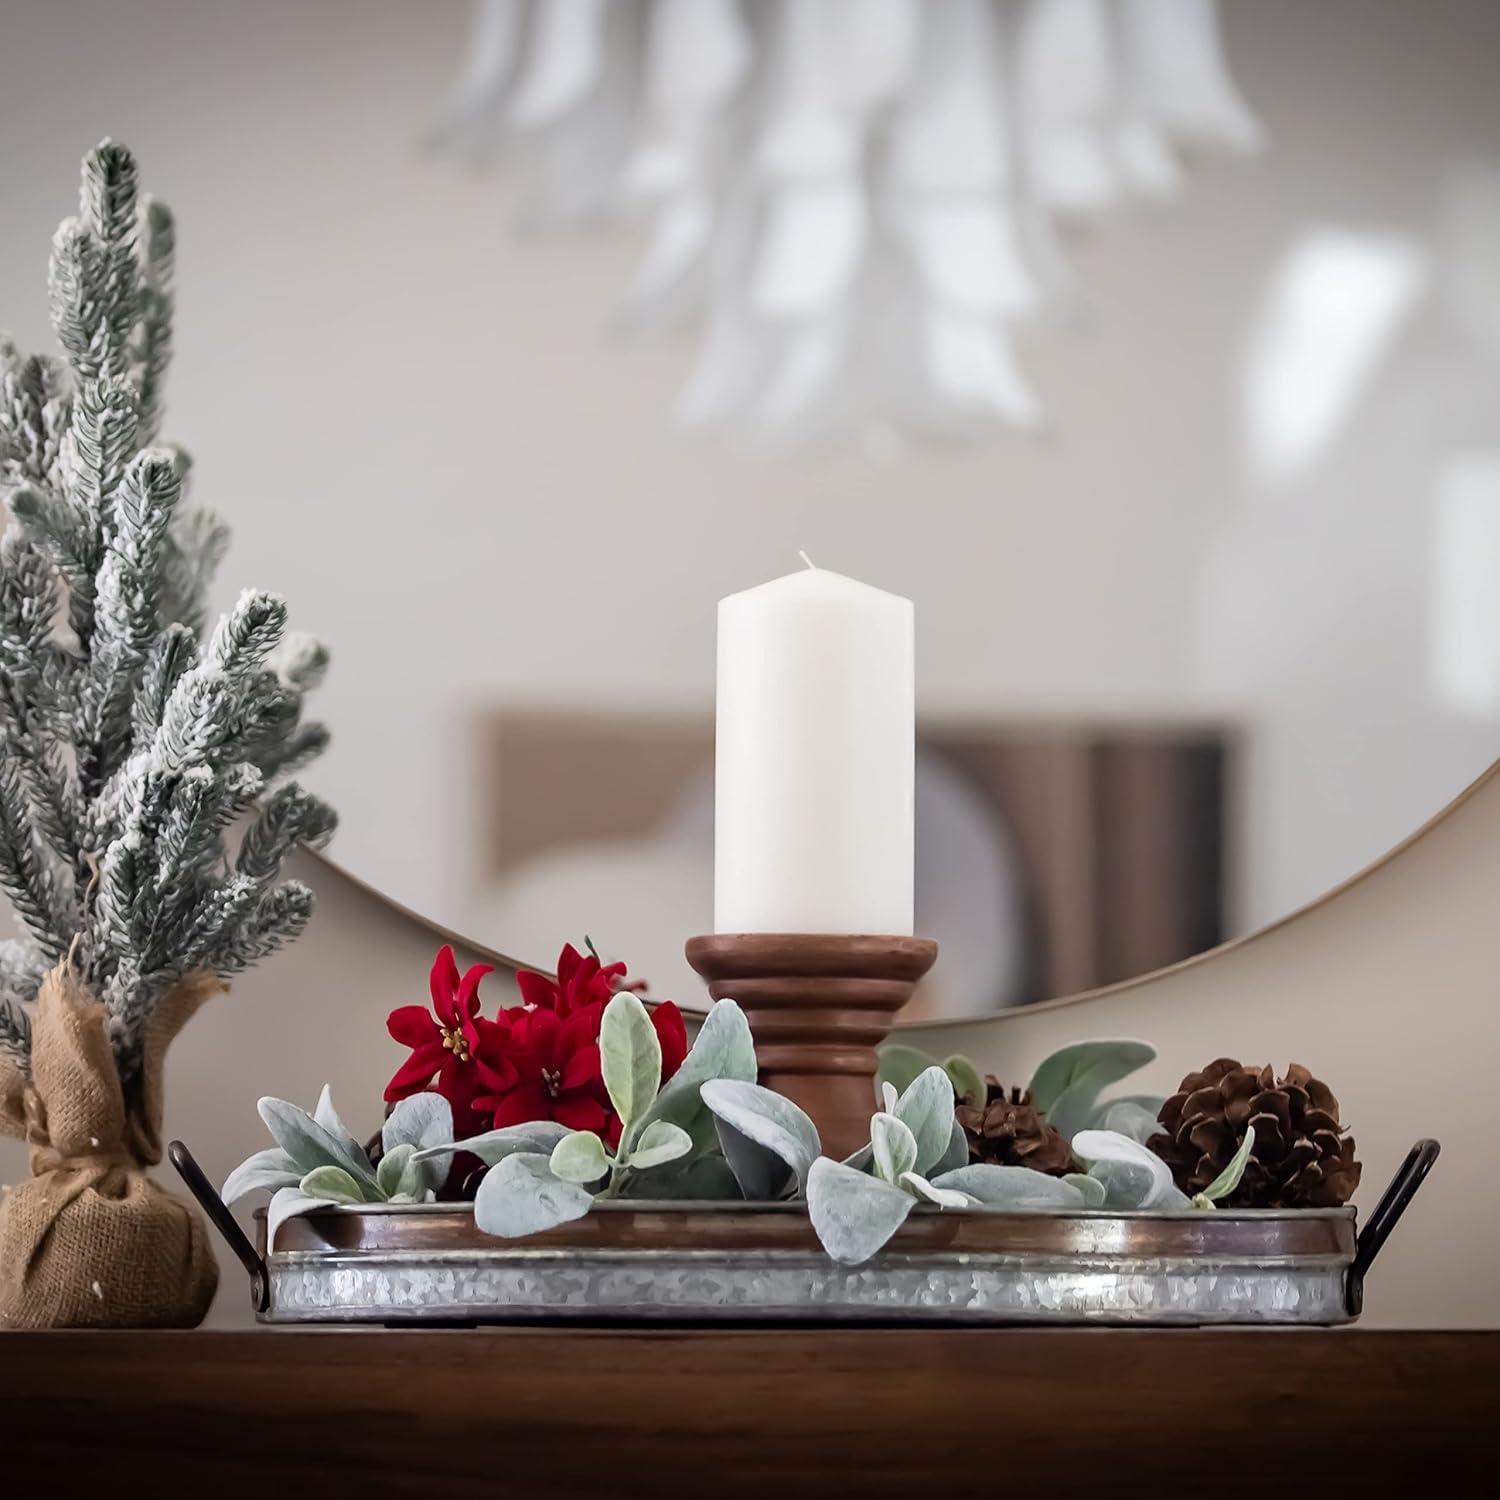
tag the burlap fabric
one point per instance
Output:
(89, 1241)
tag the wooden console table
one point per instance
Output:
(815, 1412)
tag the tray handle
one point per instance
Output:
(224, 1221)
(1403, 1188)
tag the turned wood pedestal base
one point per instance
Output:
(818, 1006)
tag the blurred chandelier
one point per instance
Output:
(859, 200)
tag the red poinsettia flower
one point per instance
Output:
(443, 1041)
(540, 1060)
(672, 1034)
(536, 1064)
(582, 980)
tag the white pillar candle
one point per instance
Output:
(815, 758)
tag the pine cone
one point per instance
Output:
(1007, 1131)
(1302, 1156)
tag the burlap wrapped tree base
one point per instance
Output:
(90, 1241)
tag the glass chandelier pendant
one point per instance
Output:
(856, 200)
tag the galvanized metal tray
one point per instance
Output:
(744, 1262)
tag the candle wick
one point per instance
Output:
(805, 558)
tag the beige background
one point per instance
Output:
(426, 437)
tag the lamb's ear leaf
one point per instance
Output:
(630, 1059)
(332, 1185)
(328, 1117)
(271, 1168)
(1229, 1179)
(703, 1179)
(723, 1048)
(1091, 1188)
(399, 1175)
(926, 1109)
(311, 1145)
(895, 1147)
(767, 1119)
(1133, 1177)
(658, 1144)
(943, 1197)
(957, 1154)
(579, 1157)
(421, 1120)
(761, 1175)
(1067, 1085)
(900, 1065)
(287, 1203)
(521, 1196)
(853, 1214)
(968, 1082)
(1016, 1188)
(494, 1146)
(1129, 1117)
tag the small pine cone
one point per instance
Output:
(1007, 1131)
(1302, 1157)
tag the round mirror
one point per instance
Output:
(1208, 615)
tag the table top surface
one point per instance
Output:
(810, 1410)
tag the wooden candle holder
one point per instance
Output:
(818, 1006)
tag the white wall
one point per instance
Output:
(426, 439)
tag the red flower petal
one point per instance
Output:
(581, 1028)
(415, 1073)
(536, 990)
(443, 982)
(411, 1025)
(581, 1069)
(526, 1102)
(672, 1034)
(580, 1112)
(567, 964)
(468, 989)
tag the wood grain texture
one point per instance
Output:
(818, 1005)
(562, 1413)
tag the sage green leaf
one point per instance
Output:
(522, 1196)
(1091, 1188)
(630, 1058)
(421, 1120)
(723, 1048)
(1229, 1179)
(328, 1117)
(943, 1197)
(894, 1147)
(494, 1146)
(767, 1119)
(706, 1179)
(1133, 1177)
(760, 1174)
(900, 1065)
(271, 1168)
(333, 1185)
(968, 1082)
(957, 1154)
(401, 1175)
(853, 1214)
(311, 1145)
(288, 1203)
(1019, 1189)
(926, 1109)
(659, 1143)
(579, 1157)
(1067, 1085)
(1126, 1117)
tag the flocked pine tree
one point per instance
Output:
(132, 737)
